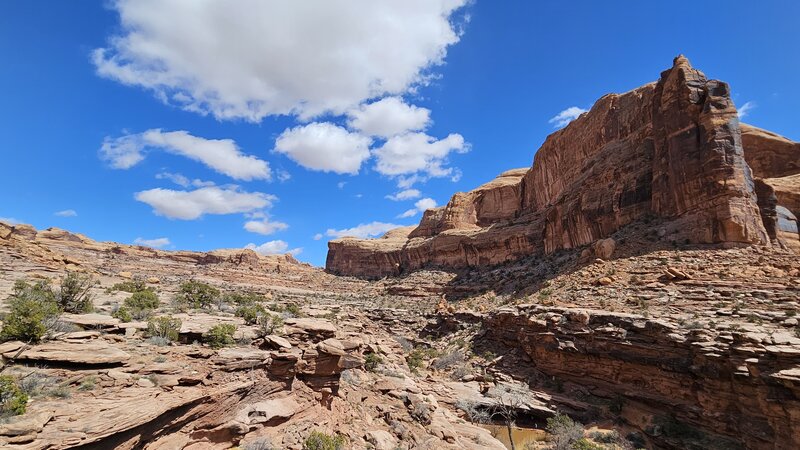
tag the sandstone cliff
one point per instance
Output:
(673, 149)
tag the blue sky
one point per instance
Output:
(281, 124)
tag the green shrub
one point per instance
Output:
(141, 304)
(323, 441)
(32, 314)
(250, 313)
(123, 314)
(243, 298)
(197, 294)
(13, 401)
(73, 296)
(132, 286)
(371, 361)
(270, 324)
(293, 309)
(165, 327)
(220, 335)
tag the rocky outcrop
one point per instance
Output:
(673, 149)
(768, 154)
(684, 387)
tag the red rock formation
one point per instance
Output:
(673, 149)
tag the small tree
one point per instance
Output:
(73, 295)
(197, 294)
(270, 324)
(251, 313)
(508, 400)
(33, 312)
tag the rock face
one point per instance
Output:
(740, 388)
(673, 149)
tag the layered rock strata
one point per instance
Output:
(672, 149)
(684, 387)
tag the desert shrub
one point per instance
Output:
(418, 356)
(585, 444)
(251, 313)
(140, 300)
(33, 312)
(132, 286)
(270, 324)
(88, 384)
(13, 401)
(293, 310)
(474, 411)
(564, 431)
(73, 295)
(37, 384)
(404, 343)
(448, 360)
(197, 294)
(611, 437)
(165, 327)
(262, 443)
(220, 335)
(123, 314)
(372, 361)
(323, 441)
(242, 298)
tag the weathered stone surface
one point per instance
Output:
(95, 352)
(768, 154)
(671, 149)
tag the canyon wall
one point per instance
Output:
(673, 149)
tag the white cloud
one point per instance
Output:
(66, 213)
(222, 155)
(566, 116)
(10, 220)
(388, 117)
(273, 248)
(408, 194)
(189, 205)
(407, 182)
(419, 207)
(283, 175)
(155, 243)
(364, 230)
(745, 109)
(324, 147)
(413, 153)
(183, 181)
(341, 184)
(269, 57)
(318, 236)
(264, 226)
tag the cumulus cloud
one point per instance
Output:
(324, 147)
(418, 153)
(746, 108)
(407, 194)
(221, 155)
(264, 58)
(566, 116)
(155, 243)
(388, 117)
(189, 205)
(419, 207)
(66, 213)
(364, 230)
(264, 226)
(273, 248)
(318, 236)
